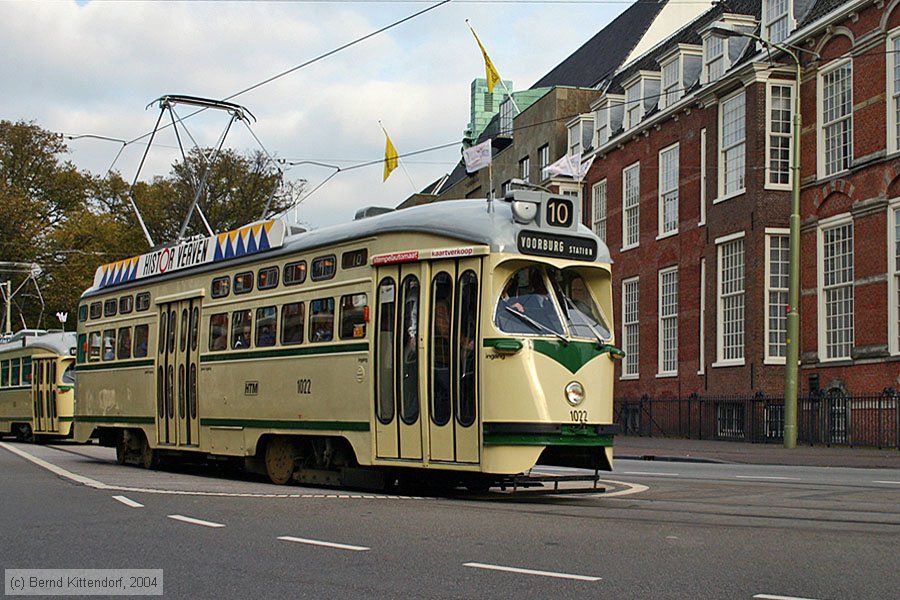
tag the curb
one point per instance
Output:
(685, 459)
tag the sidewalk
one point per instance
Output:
(670, 449)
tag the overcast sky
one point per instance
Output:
(92, 67)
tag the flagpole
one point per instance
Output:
(490, 194)
(491, 70)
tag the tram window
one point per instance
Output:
(163, 322)
(410, 353)
(126, 305)
(4, 373)
(15, 367)
(109, 344)
(82, 348)
(218, 331)
(69, 374)
(354, 314)
(141, 338)
(110, 307)
(321, 320)
(441, 341)
(184, 329)
(267, 278)
(266, 325)
(123, 348)
(354, 258)
(95, 346)
(96, 310)
(195, 328)
(243, 282)
(221, 286)
(323, 268)
(582, 314)
(142, 301)
(26, 370)
(171, 334)
(295, 273)
(467, 319)
(82, 313)
(525, 306)
(384, 359)
(292, 323)
(240, 329)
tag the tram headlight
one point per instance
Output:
(575, 393)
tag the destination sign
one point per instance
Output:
(539, 243)
(560, 212)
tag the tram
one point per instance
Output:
(37, 380)
(463, 341)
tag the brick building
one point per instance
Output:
(690, 186)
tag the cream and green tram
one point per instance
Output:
(37, 381)
(447, 341)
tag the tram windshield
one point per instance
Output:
(527, 306)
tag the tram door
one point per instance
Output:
(177, 358)
(43, 393)
(453, 349)
(398, 360)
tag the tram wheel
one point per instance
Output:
(24, 433)
(280, 460)
(149, 456)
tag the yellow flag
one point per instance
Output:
(390, 156)
(493, 77)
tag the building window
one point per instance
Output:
(525, 168)
(543, 157)
(836, 296)
(777, 273)
(631, 215)
(581, 134)
(730, 334)
(779, 132)
(731, 143)
(836, 110)
(713, 57)
(668, 321)
(634, 105)
(630, 331)
(598, 209)
(776, 20)
(506, 117)
(668, 190)
(893, 77)
(671, 83)
(702, 220)
(894, 262)
(602, 120)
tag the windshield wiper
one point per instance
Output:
(537, 325)
(569, 302)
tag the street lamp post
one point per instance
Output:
(792, 349)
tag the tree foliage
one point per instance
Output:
(70, 221)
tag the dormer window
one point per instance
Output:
(680, 69)
(581, 133)
(608, 113)
(720, 49)
(776, 17)
(714, 57)
(641, 94)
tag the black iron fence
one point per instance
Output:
(831, 419)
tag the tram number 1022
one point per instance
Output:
(560, 212)
(579, 416)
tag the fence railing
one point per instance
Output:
(831, 419)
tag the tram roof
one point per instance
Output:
(58, 342)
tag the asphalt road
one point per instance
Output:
(674, 530)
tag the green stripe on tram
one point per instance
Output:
(130, 364)
(282, 352)
(572, 355)
(15, 388)
(565, 435)
(284, 424)
(115, 419)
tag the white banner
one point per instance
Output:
(477, 157)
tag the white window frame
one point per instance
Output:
(668, 322)
(769, 19)
(822, 125)
(634, 104)
(709, 59)
(735, 146)
(892, 93)
(543, 157)
(668, 190)
(702, 324)
(782, 235)
(828, 225)
(772, 135)
(893, 223)
(599, 208)
(703, 180)
(577, 129)
(525, 168)
(671, 88)
(628, 209)
(601, 125)
(721, 361)
(631, 333)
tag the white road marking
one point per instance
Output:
(765, 477)
(531, 572)
(288, 538)
(651, 473)
(771, 597)
(630, 488)
(888, 482)
(195, 521)
(128, 501)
